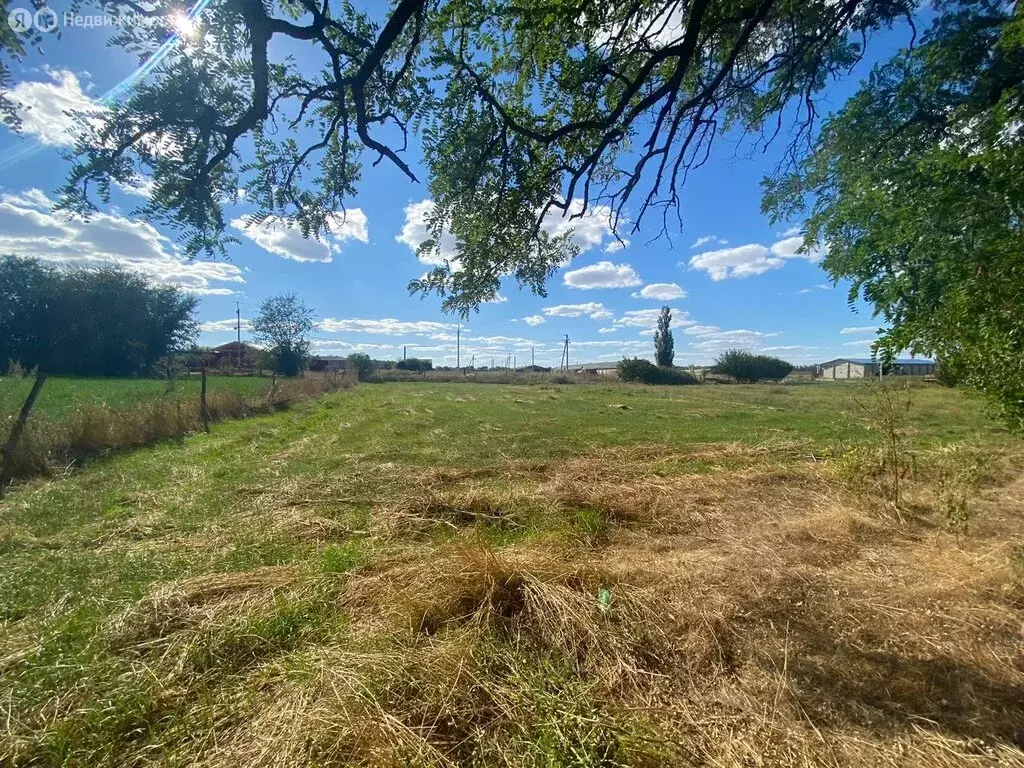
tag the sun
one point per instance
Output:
(183, 25)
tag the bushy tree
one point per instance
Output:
(664, 344)
(748, 367)
(414, 364)
(284, 323)
(916, 185)
(89, 322)
(645, 372)
(99, 322)
(522, 110)
(362, 365)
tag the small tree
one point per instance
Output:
(283, 323)
(362, 365)
(664, 344)
(106, 322)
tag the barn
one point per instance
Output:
(861, 367)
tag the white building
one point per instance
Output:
(596, 369)
(859, 368)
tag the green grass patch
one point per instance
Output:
(63, 394)
(161, 601)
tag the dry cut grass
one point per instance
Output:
(721, 605)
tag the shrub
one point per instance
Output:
(748, 367)
(414, 364)
(646, 372)
(362, 365)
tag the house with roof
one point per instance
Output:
(862, 367)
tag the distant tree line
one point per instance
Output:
(84, 322)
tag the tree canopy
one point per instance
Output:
(664, 344)
(750, 367)
(283, 323)
(522, 112)
(96, 322)
(917, 187)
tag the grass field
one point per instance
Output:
(64, 394)
(78, 419)
(454, 574)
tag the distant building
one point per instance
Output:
(328, 364)
(235, 355)
(860, 368)
(533, 369)
(596, 369)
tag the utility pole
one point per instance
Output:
(564, 362)
(515, 362)
(458, 347)
(532, 361)
(404, 348)
(238, 333)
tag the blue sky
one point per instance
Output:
(731, 278)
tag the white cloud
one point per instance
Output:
(28, 227)
(661, 292)
(592, 309)
(864, 343)
(621, 344)
(617, 245)
(498, 299)
(54, 111)
(219, 326)
(656, 30)
(705, 239)
(648, 318)
(503, 341)
(607, 330)
(789, 248)
(534, 320)
(414, 232)
(142, 186)
(817, 287)
(719, 341)
(741, 261)
(29, 198)
(603, 274)
(752, 258)
(859, 329)
(283, 237)
(701, 330)
(331, 346)
(590, 230)
(388, 326)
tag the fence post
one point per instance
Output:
(204, 412)
(7, 461)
